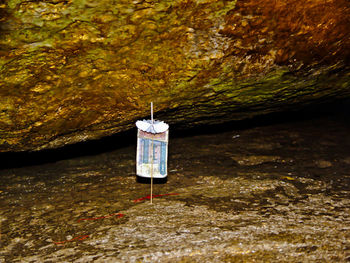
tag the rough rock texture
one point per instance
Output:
(73, 70)
(273, 204)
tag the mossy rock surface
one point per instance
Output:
(76, 70)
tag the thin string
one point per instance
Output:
(152, 113)
(152, 171)
(152, 151)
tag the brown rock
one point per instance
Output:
(323, 163)
(72, 71)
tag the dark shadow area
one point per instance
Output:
(88, 148)
(144, 180)
(339, 110)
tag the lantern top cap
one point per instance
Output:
(152, 126)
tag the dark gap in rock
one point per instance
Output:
(339, 109)
(88, 148)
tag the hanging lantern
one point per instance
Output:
(152, 148)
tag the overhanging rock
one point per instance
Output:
(77, 70)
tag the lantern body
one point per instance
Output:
(152, 154)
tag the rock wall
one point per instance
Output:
(74, 70)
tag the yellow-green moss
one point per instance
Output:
(92, 67)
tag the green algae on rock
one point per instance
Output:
(78, 70)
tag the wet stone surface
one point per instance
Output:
(276, 193)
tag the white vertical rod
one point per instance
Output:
(152, 112)
(152, 173)
(152, 157)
